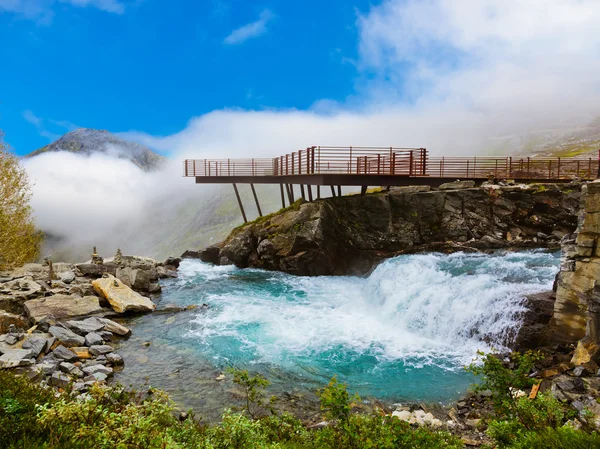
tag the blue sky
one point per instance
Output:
(151, 65)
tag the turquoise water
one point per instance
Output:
(404, 333)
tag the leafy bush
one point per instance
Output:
(254, 390)
(503, 381)
(561, 438)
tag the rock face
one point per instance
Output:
(122, 298)
(350, 234)
(535, 332)
(577, 308)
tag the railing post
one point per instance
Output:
(194, 166)
(467, 168)
(228, 167)
(549, 168)
(350, 168)
(528, 167)
(293, 163)
(558, 170)
(509, 160)
(410, 162)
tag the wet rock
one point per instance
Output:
(100, 349)
(62, 307)
(210, 254)
(164, 273)
(121, 297)
(115, 359)
(66, 337)
(190, 254)
(16, 357)
(535, 331)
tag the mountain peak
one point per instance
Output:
(88, 141)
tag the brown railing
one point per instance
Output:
(408, 162)
(318, 160)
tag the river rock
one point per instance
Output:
(66, 337)
(62, 353)
(95, 270)
(114, 359)
(93, 339)
(210, 254)
(115, 328)
(98, 350)
(121, 297)
(16, 357)
(93, 369)
(8, 319)
(62, 307)
(37, 345)
(84, 327)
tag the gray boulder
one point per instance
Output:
(115, 359)
(16, 357)
(37, 345)
(62, 353)
(93, 339)
(86, 326)
(100, 349)
(457, 185)
(66, 337)
(93, 369)
(59, 379)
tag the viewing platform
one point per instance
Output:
(378, 166)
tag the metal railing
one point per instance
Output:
(318, 160)
(407, 162)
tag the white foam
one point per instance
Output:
(421, 309)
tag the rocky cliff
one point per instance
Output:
(577, 307)
(350, 234)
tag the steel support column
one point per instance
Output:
(256, 200)
(237, 195)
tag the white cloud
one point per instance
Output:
(457, 77)
(32, 118)
(251, 30)
(43, 10)
(38, 122)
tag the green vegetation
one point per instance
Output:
(522, 422)
(112, 417)
(294, 206)
(31, 417)
(19, 240)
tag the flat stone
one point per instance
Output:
(457, 185)
(100, 377)
(81, 352)
(66, 337)
(115, 328)
(93, 369)
(93, 339)
(101, 349)
(86, 326)
(121, 297)
(16, 357)
(66, 367)
(65, 354)
(62, 307)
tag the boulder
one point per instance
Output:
(8, 319)
(166, 272)
(37, 344)
(62, 307)
(81, 352)
(96, 270)
(59, 379)
(121, 297)
(93, 369)
(210, 254)
(93, 339)
(66, 337)
(114, 359)
(191, 254)
(86, 326)
(115, 328)
(62, 353)
(98, 350)
(16, 357)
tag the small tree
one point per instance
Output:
(19, 240)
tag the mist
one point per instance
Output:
(457, 77)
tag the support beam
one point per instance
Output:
(339, 190)
(318, 192)
(282, 196)
(302, 192)
(237, 195)
(309, 188)
(363, 190)
(332, 191)
(256, 200)
(290, 189)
